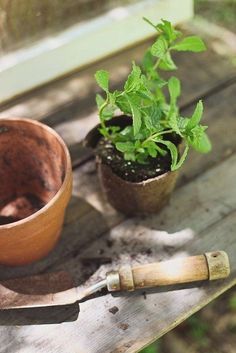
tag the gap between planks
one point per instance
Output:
(219, 160)
(89, 213)
(97, 330)
(55, 101)
(209, 238)
(220, 226)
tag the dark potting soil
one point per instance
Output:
(20, 208)
(129, 170)
(113, 310)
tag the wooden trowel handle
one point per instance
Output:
(210, 266)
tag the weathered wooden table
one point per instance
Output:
(201, 216)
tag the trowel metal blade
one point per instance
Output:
(14, 300)
(38, 291)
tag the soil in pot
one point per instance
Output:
(31, 171)
(130, 187)
(129, 170)
(35, 188)
(19, 208)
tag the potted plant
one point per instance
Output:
(35, 188)
(138, 153)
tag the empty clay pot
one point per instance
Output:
(35, 188)
(131, 198)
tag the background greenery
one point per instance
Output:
(221, 12)
(212, 330)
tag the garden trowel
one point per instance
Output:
(209, 266)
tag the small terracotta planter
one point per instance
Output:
(131, 198)
(35, 188)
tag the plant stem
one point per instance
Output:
(103, 125)
(150, 138)
(157, 63)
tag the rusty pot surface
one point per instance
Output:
(35, 188)
(131, 198)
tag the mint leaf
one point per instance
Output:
(173, 151)
(127, 132)
(99, 100)
(113, 129)
(142, 158)
(150, 23)
(147, 62)
(102, 78)
(170, 33)
(175, 154)
(151, 148)
(196, 117)
(167, 63)
(192, 43)
(130, 156)
(182, 158)
(174, 89)
(160, 83)
(160, 47)
(174, 122)
(125, 146)
(112, 97)
(133, 82)
(200, 143)
(182, 123)
(152, 117)
(123, 104)
(108, 112)
(143, 98)
(136, 114)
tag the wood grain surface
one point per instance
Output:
(200, 217)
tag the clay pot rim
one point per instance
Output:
(68, 168)
(139, 183)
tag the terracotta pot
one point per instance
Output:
(35, 188)
(131, 198)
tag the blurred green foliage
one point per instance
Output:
(153, 348)
(232, 302)
(198, 329)
(222, 12)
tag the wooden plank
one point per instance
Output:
(89, 215)
(146, 320)
(203, 206)
(73, 97)
(193, 208)
(219, 115)
(205, 221)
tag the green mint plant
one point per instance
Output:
(154, 117)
